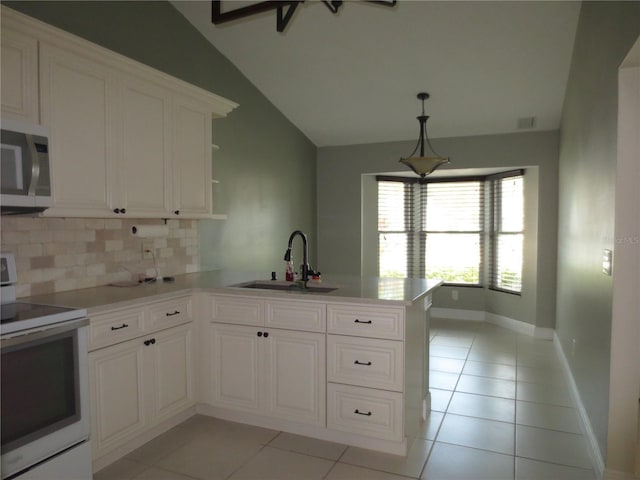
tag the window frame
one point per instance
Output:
(424, 233)
(409, 223)
(416, 238)
(495, 229)
(489, 248)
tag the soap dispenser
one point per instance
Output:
(288, 273)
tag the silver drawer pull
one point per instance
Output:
(358, 412)
(357, 362)
(357, 320)
(124, 325)
(175, 312)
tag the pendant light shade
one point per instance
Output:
(427, 160)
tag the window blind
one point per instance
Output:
(507, 233)
(437, 228)
(395, 229)
(452, 231)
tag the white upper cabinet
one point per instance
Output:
(192, 154)
(77, 98)
(144, 158)
(125, 139)
(19, 55)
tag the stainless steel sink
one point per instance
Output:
(286, 286)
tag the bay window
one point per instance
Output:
(438, 228)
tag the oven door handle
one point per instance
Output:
(30, 336)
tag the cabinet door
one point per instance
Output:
(19, 55)
(144, 187)
(296, 376)
(192, 158)
(117, 395)
(76, 100)
(235, 366)
(170, 372)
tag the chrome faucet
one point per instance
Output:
(305, 255)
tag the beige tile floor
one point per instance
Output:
(501, 410)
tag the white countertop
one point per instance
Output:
(374, 290)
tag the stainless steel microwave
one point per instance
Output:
(25, 170)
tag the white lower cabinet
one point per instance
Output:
(235, 367)
(170, 372)
(351, 373)
(339, 371)
(365, 411)
(366, 371)
(367, 362)
(137, 384)
(273, 372)
(117, 395)
(296, 376)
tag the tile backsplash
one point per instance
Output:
(58, 254)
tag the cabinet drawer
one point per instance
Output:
(242, 311)
(310, 317)
(115, 327)
(170, 313)
(366, 362)
(365, 411)
(365, 321)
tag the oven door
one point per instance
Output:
(45, 394)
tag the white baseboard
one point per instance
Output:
(544, 333)
(458, 314)
(587, 429)
(511, 324)
(500, 320)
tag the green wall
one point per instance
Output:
(344, 188)
(266, 166)
(606, 32)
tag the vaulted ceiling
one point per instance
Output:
(352, 77)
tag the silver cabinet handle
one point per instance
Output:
(35, 165)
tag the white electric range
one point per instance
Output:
(45, 421)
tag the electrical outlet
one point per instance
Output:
(454, 295)
(147, 249)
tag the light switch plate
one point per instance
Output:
(607, 261)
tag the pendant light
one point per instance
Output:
(427, 162)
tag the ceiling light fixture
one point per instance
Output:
(285, 10)
(425, 163)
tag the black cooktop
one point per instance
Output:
(17, 316)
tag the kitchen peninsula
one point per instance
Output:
(346, 363)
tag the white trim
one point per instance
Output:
(458, 314)
(501, 321)
(594, 450)
(544, 333)
(322, 433)
(511, 324)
